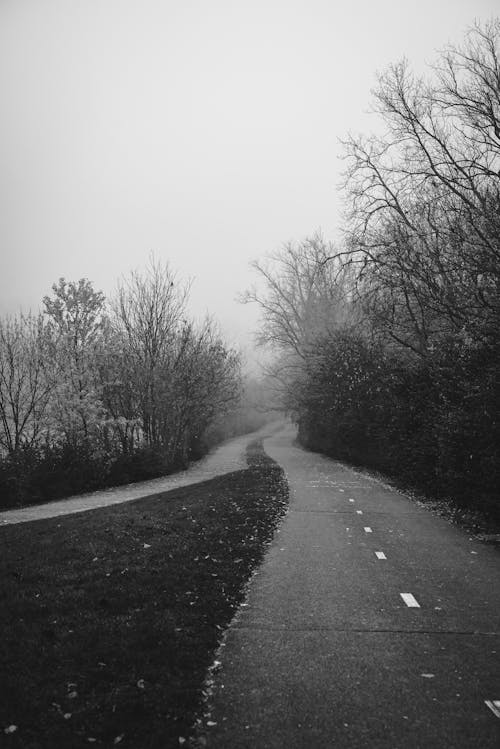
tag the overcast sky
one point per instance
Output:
(204, 130)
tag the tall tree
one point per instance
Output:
(24, 387)
(304, 292)
(76, 316)
(179, 375)
(148, 316)
(424, 198)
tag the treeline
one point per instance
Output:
(389, 347)
(95, 393)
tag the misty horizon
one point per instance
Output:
(208, 136)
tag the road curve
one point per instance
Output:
(228, 457)
(371, 623)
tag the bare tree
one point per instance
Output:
(24, 388)
(424, 198)
(205, 384)
(176, 376)
(302, 295)
(148, 315)
(305, 292)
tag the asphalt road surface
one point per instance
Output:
(371, 623)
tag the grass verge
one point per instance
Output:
(110, 618)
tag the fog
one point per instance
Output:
(205, 132)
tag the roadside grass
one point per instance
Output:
(109, 619)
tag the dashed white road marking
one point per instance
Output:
(359, 512)
(351, 499)
(367, 529)
(494, 706)
(341, 490)
(380, 555)
(410, 600)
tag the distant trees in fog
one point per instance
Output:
(93, 392)
(302, 294)
(387, 345)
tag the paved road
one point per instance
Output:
(230, 456)
(328, 653)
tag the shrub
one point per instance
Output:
(432, 423)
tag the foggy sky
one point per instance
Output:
(204, 130)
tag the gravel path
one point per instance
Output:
(228, 457)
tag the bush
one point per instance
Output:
(141, 465)
(31, 476)
(433, 423)
(35, 475)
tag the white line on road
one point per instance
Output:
(359, 512)
(367, 529)
(341, 490)
(410, 600)
(351, 499)
(380, 555)
(494, 706)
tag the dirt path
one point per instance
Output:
(228, 457)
